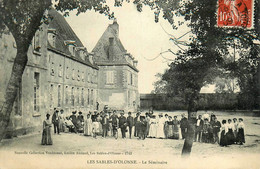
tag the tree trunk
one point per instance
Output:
(186, 150)
(12, 87)
(192, 113)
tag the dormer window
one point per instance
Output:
(82, 52)
(90, 56)
(52, 37)
(71, 45)
(37, 42)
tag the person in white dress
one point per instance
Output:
(95, 128)
(153, 127)
(160, 128)
(88, 126)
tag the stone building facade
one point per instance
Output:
(118, 75)
(61, 73)
(31, 103)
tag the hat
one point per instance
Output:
(80, 112)
(73, 112)
(48, 115)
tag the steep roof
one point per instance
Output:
(109, 49)
(64, 33)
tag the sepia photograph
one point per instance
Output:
(158, 84)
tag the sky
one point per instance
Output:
(138, 32)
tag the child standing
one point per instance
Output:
(95, 128)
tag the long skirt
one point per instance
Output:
(100, 131)
(170, 131)
(166, 130)
(205, 137)
(223, 139)
(241, 136)
(46, 136)
(160, 131)
(152, 131)
(87, 129)
(176, 132)
(230, 137)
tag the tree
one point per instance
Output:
(159, 85)
(204, 58)
(22, 18)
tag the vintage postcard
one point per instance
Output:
(130, 84)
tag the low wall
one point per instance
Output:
(210, 101)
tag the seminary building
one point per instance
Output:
(62, 73)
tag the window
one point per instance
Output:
(60, 70)
(73, 74)
(129, 98)
(92, 95)
(66, 95)
(52, 37)
(51, 96)
(78, 76)
(52, 69)
(67, 72)
(36, 93)
(59, 96)
(88, 96)
(82, 97)
(72, 50)
(109, 77)
(83, 75)
(78, 96)
(88, 77)
(131, 78)
(72, 96)
(37, 45)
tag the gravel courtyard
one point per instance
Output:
(79, 151)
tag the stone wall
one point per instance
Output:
(206, 102)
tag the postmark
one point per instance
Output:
(235, 13)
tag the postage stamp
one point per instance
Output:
(235, 13)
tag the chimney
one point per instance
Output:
(135, 63)
(115, 27)
(111, 48)
(90, 57)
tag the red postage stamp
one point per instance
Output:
(235, 13)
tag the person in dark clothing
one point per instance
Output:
(198, 129)
(216, 129)
(80, 122)
(130, 123)
(105, 125)
(205, 132)
(114, 121)
(183, 126)
(55, 121)
(241, 132)
(137, 124)
(74, 120)
(223, 136)
(142, 125)
(122, 124)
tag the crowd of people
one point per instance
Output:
(207, 128)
